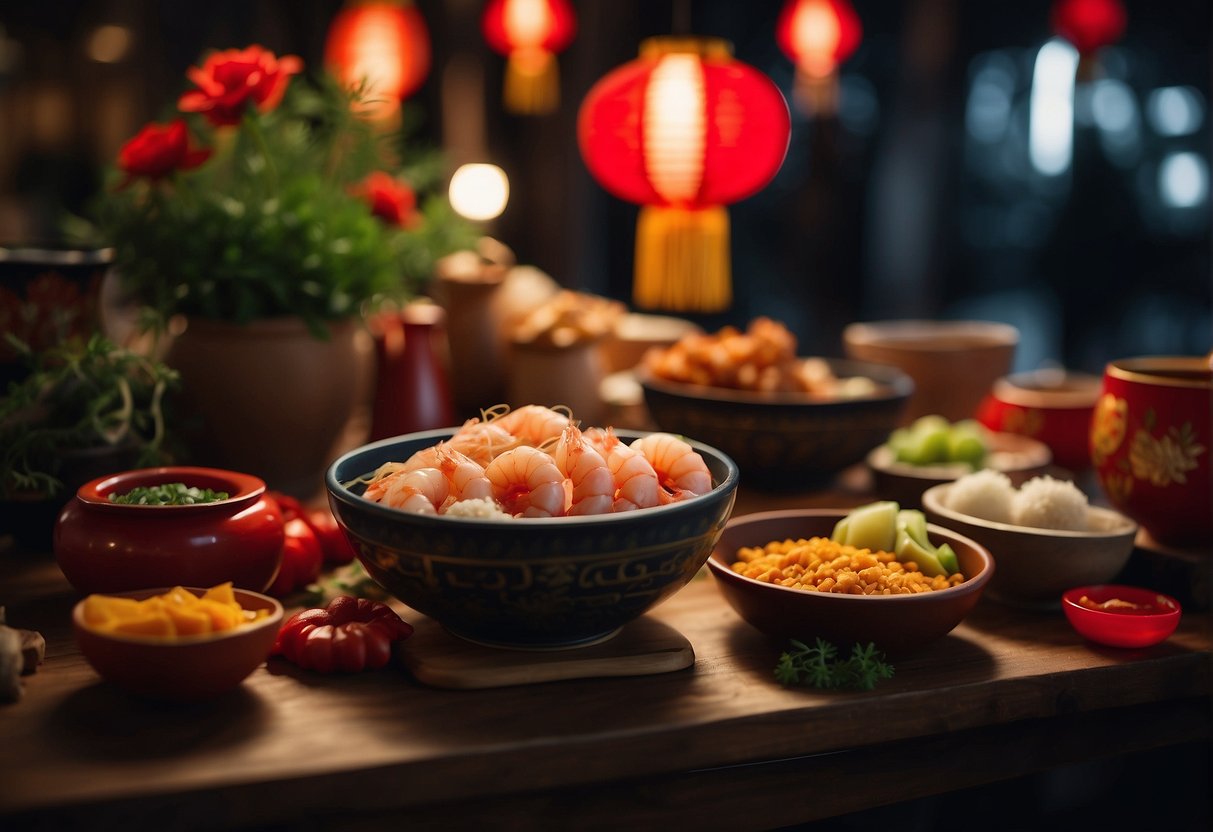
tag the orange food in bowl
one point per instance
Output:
(176, 613)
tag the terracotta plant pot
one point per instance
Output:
(1151, 437)
(270, 399)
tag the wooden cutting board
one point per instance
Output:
(642, 647)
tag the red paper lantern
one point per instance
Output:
(384, 43)
(818, 35)
(530, 33)
(1089, 24)
(683, 130)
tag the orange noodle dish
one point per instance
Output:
(535, 461)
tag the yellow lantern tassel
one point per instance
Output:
(532, 82)
(682, 259)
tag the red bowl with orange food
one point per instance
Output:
(897, 623)
(1121, 616)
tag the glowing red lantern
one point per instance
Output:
(683, 130)
(383, 43)
(818, 35)
(530, 33)
(1089, 24)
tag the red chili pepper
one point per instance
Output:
(302, 558)
(349, 635)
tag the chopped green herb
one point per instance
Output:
(169, 494)
(820, 667)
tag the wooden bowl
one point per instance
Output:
(183, 668)
(1035, 566)
(1019, 457)
(953, 363)
(897, 624)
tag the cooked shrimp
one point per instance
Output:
(422, 491)
(680, 469)
(482, 440)
(527, 482)
(589, 482)
(635, 480)
(533, 424)
(464, 475)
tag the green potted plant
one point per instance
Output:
(85, 409)
(268, 215)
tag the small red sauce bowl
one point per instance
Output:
(1152, 623)
(110, 547)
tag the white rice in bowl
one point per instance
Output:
(986, 494)
(1046, 503)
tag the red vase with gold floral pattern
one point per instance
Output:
(1150, 445)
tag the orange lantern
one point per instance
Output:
(530, 33)
(683, 130)
(384, 44)
(1089, 25)
(818, 35)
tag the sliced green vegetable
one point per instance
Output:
(873, 526)
(947, 558)
(909, 550)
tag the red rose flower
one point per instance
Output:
(227, 81)
(392, 200)
(159, 149)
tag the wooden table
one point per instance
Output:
(716, 746)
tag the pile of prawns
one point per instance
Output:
(535, 461)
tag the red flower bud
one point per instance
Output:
(391, 199)
(227, 81)
(159, 149)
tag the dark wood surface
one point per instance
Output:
(1007, 693)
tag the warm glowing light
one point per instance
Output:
(1051, 108)
(109, 44)
(815, 31)
(673, 131)
(527, 22)
(479, 191)
(529, 33)
(384, 45)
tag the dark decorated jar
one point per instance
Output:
(103, 546)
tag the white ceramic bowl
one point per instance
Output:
(1035, 566)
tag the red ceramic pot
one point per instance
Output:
(1150, 442)
(109, 547)
(1050, 406)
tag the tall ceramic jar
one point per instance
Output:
(411, 390)
(271, 399)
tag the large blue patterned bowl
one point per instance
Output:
(537, 583)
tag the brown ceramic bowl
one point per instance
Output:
(1051, 406)
(185, 668)
(1019, 457)
(783, 440)
(897, 624)
(953, 363)
(1035, 566)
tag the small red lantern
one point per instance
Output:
(383, 43)
(1089, 25)
(683, 130)
(530, 33)
(818, 35)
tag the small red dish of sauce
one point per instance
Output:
(1121, 616)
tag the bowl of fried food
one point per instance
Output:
(877, 573)
(524, 530)
(790, 422)
(1044, 533)
(177, 643)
